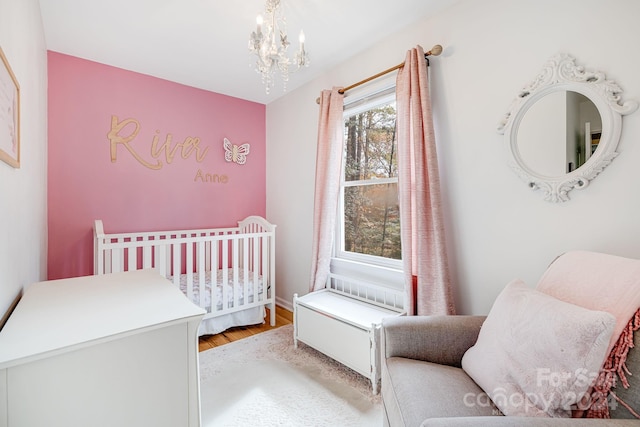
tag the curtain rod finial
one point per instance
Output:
(435, 50)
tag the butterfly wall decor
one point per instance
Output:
(236, 153)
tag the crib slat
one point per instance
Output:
(189, 270)
(225, 274)
(176, 263)
(244, 264)
(255, 267)
(117, 259)
(190, 248)
(108, 261)
(215, 300)
(207, 254)
(167, 255)
(235, 263)
(271, 256)
(202, 274)
(264, 262)
(132, 259)
(160, 261)
(146, 257)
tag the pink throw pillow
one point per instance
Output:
(537, 355)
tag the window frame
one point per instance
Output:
(386, 271)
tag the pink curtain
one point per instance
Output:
(424, 257)
(328, 170)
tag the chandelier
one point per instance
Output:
(269, 42)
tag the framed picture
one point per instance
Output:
(9, 114)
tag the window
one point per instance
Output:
(368, 217)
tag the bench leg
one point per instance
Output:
(295, 322)
(374, 336)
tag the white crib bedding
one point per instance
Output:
(217, 324)
(239, 288)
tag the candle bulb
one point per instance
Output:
(301, 38)
(259, 24)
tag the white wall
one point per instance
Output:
(497, 228)
(23, 192)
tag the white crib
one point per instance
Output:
(230, 272)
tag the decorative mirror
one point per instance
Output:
(563, 129)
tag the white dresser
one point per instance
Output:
(111, 350)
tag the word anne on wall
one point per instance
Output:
(118, 135)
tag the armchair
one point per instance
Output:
(423, 383)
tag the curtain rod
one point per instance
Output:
(435, 51)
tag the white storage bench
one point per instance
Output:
(343, 321)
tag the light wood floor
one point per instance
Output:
(283, 317)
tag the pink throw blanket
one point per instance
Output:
(606, 283)
(614, 365)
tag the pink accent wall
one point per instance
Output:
(84, 184)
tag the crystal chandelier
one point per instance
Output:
(269, 43)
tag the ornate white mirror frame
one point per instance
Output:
(561, 73)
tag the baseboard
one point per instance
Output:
(288, 305)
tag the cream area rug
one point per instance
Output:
(264, 381)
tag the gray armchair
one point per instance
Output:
(423, 383)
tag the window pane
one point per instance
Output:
(370, 144)
(372, 220)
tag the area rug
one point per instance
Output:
(264, 381)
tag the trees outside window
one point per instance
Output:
(370, 225)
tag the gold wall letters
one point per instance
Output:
(115, 138)
(208, 177)
(188, 147)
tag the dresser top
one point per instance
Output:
(60, 315)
